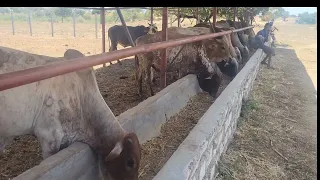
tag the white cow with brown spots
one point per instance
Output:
(62, 110)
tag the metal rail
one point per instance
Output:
(27, 76)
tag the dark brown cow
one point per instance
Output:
(116, 34)
(224, 26)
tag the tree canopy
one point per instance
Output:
(307, 18)
(205, 13)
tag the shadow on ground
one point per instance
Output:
(276, 135)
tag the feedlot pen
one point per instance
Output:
(118, 87)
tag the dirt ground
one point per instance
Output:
(276, 135)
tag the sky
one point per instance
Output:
(299, 10)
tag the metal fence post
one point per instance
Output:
(164, 51)
(30, 24)
(103, 24)
(96, 22)
(52, 24)
(74, 23)
(12, 21)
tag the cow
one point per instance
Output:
(187, 58)
(116, 34)
(244, 53)
(65, 109)
(238, 39)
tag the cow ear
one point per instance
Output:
(115, 152)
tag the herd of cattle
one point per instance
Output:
(69, 108)
(208, 58)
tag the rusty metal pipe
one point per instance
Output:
(151, 18)
(234, 13)
(164, 51)
(27, 76)
(214, 16)
(103, 24)
(197, 15)
(179, 17)
(126, 30)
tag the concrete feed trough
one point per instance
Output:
(197, 155)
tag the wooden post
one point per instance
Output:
(74, 23)
(12, 21)
(234, 13)
(151, 18)
(164, 51)
(30, 25)
(171, 20)
(96, 22)
(103, 24)
(214, 16)
(178, 17)
(52, 24)
(197, 14)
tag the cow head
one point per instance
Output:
(151, 29)
(123, 161)
(229, 68)
(219, 48)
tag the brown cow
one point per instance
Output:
(187, 58)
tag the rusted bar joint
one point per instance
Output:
(27, 76)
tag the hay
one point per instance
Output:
(118, 88)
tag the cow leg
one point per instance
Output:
(139, 78)
(113, 47)
(152, 75)
(148, 79)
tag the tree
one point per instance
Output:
(95, 12)
(63, 12)
(4, 10)
(285, 15)
(306, 18)
(245, 14)
(80, 12)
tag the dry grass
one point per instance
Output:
(274, 139)
(276, 134)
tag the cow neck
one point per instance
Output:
(105, 128)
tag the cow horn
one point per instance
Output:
(115, 152)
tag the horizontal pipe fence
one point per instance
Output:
(27, 76)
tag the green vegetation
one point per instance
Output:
(306, 18)
(205, 13)
(274, 13)
(64, 15)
